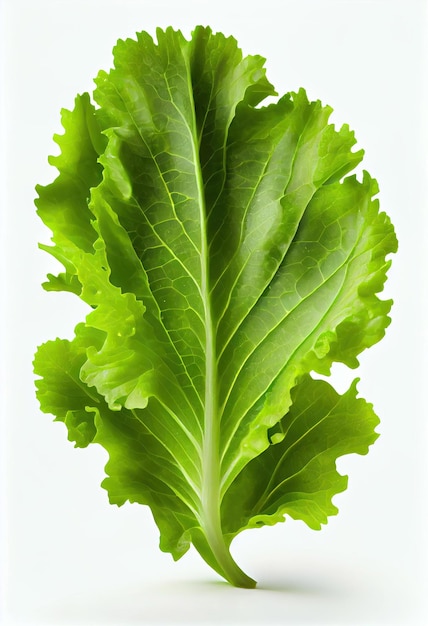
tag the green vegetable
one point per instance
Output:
(224, 256)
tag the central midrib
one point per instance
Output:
(209, 514)
(210, 484)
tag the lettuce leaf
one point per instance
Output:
(224, 255)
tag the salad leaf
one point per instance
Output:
(224, 255)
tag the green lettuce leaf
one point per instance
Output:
(224, 255)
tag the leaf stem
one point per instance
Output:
(225, 564)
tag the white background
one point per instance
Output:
(68, 557)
